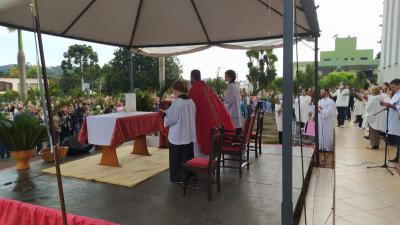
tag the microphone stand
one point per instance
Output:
(386, 143)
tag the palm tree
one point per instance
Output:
(21, 65)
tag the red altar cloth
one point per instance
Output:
(19, 213)
(128, 128)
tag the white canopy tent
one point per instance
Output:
(171, 27)
(140, 24)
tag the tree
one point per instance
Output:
(263, 73)
(277, 84)
(79, 60)
(145, 72)
(219, 85)
(270, 69)
(333, 79)
(306, 78)
(13, 71)
(21, 64)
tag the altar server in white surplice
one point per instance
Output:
(326, 117)
(180, 119)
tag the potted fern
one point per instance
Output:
(21, 136)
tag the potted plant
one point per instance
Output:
(21, 136)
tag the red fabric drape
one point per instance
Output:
(19, 213)
(210, 112)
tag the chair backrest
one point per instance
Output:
(217, 137)
(260, 121)
(248, 129)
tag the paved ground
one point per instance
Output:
(253, 199)
(364, 196)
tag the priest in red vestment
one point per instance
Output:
(210, 111)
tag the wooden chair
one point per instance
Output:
(236, 145)
(257, 134)
(210, 166)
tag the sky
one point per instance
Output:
(355, 18)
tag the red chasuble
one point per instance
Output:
(210, 112)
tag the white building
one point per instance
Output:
(7, 83)
(244, 84)
(390, 53)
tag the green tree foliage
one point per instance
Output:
(9, 96)
(261, 72)
(277, 84)
(76, 93)
(219, 85)
(13, 71)
(79, 61)
(333, 79)
(145, 72)
(306, 78)
(144, 101)
(32, 94)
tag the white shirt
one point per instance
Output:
(343, 97)
(394, 115)
(180, 119)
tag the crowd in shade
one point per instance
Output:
(68, 114)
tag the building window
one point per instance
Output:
(364, 58)
(352, 58)
(5, 86)
(327, 59)
(345, 59)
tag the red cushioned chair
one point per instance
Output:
(236, 145)
(210, 166)
(257, 134)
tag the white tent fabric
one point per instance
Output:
(148, 24)
(180, 50)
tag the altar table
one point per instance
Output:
(111, 130)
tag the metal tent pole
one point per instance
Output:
(35, 12)
(316, 98)
(287, 203)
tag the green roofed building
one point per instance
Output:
(346, 57)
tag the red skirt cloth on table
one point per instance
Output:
(19, 213)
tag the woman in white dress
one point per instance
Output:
(375, 118)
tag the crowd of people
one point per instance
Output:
(368, 105)
(68, 114)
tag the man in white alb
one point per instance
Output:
(326, 116)
(394, 115)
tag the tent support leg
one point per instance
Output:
(35, 12)
(287, 202)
